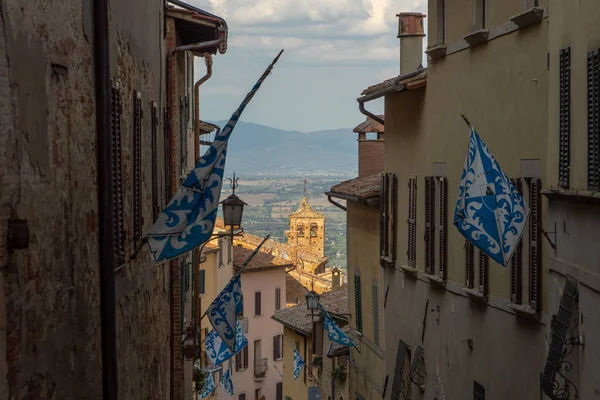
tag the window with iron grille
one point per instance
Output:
(400, 385)
(375, 300)
(478, 391)
(564, 116)
(412, 222)
(117, 175)
(593, 132)
(388, 207)
(535, 244)
(358, 302)
(154, 166)
(429, 225)
(443, 228)
(137, 166)
(484, 284)
(469, 265)
(516, 262)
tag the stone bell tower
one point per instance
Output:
(307, 228)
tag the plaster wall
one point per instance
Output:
(296, 389)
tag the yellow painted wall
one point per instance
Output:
(296, 389)
(502, 88)
(363, 256)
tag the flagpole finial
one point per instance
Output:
(233, 182)
(466, 120)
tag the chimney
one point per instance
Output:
(410, 33)
(335, 278)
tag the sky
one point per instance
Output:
(333, 50)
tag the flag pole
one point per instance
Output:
(466, 120)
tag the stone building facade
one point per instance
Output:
(50, 324)
(307, 229)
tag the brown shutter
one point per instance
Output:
(257, 304)
(245, 365)
(535, 246)
(412, 222)
(117, 175)
(483, 273)
(593, 78)
(137, 166)
(154, 166)
(383, 218)
(469, 265)
(392, 221)
(429, 225)
(275, 347)
(516, 262)
(443, 204)
(279, 395)
(564, 118)
(238, 361)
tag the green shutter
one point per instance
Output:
(358, 303)
(375, 299)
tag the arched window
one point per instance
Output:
(300, 229)
(313, 230)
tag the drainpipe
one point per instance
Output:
(364, 111)
(107, 262)
(338, 205)
(209, 63)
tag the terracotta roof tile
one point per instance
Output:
(298, 317)
(260, 261)
(370, 125)
(398, 80)
(362, 188)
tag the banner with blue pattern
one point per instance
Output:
(334, 333)
(227, 383)
(224, 310)
(209, 385)
(490, 212)
(298, 363)
(189, 218)
(217, 351)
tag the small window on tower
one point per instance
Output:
(300, 229)
(313, 230)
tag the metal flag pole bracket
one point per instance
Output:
(547, 235)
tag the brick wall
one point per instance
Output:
(370, 157)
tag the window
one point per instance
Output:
(593, 131)
(412, 222)
(241, 359)
(564, 118)
(469, 265)
(117, 175)
(357, 302)
(342, 361)
(202, 281)
(277, 347)
(277, 299)
(387, 212)
(256, 394)
(480, 12)
(400, 383)
(279, 391)
(429, 225)
(137, 166)
(257, 303)
(317, 338)
(242, 396)
(435, 210)
(300, 229)
(478, 391)
(313, 230)
(375, 300)
(440, 22)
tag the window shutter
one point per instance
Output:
(383, 230)
(429, 225)
(242, 313)
(167, 156)
(535, 245)
(483, 273)
(202, 281)
(593, 77)
(277, 299)
(154, 166)
(245, 357)
(238, 361)
(412, 222)
(516, 262)
(375, 300)
(117, 175)
(358, 303)
(279, 390)
(398, 384)
(564, 152)
(318, 337)
(220, 252)
(393, 212)
(257, 305)
(275, 345)
(469, 265)
(137, 166)
(443, 204)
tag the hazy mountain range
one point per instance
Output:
(260, 148)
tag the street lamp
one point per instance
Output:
(233, 207)
(312, 301)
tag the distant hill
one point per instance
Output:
(260, 148)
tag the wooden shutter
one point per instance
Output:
(469, 265)
(137, 166)
(535, 245)
(202, 281)
(443, 247)
(388, 205)
(412, 222)
(318, 337)
(168, 149)
(383, 229)
(393, 209)
(154, 166)
(516, 262)
(429, 225)
(257, 303)
(277, 299)
(398, 383)
(483, 273)
(275, 347)
(564, 152)
(358, 302)
(375, 300)
(279, 391)
(245, 360)
(238, 361)
(593, 104)
(117, 175)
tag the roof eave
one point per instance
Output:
(295, 329)
(371, 200)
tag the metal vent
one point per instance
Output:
(564, 152)
(117, 175)
(429, 225)
(593, 101)
(137, 166)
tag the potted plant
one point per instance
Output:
(262, 397)
(288, 398)
(199, 379)
(317, 361)
(339, 373)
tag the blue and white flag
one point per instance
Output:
(298, 363)
(209, 386)
(334, 333)
(490, 211)
(189, 218)
(224, 310)
(227, 383)
(217, 351)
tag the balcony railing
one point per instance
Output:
(260, 368)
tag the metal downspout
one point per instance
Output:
(209, 63)
(107, 262)
(364, 111)
(338, 205)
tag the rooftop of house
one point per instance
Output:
(358, 189)
(299, 318)
(188, 22)
(305, 210)
(370, 125)
(260, 262)
(412, 80)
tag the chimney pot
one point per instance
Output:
(410, 33)
(411, 24)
